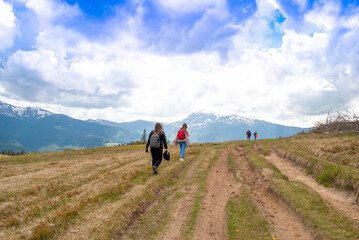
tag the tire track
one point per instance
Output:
(181, 207)
(211, 221)
(341, 200)
(285, 222)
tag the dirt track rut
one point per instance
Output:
(339, 199)
(211, 221)
(221, 185)
(286, 223)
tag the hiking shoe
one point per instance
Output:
(154, 170)
(181, 159)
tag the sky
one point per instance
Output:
(285, 61)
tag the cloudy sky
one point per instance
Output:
(285, 61)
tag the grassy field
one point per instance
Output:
(111, 192)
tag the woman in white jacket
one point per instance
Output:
(182, 139)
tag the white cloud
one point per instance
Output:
(323, 59)
(120, 80)
(47, 11)
(324, 18)
(7, 25)
(187, 6)
(304, 45)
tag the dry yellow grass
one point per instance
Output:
(99, 193)
(43, 194)
(81, 194)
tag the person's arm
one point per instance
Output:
(176, 140)
(164, 140)
(148, 141)
(187, 137)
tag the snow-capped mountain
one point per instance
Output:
(210, 127)
(38, 130)
(202, 119)
(199, 119)
(34, 129)
(25, 113)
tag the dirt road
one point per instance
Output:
(211, 222)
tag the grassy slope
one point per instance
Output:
(97, 193)
(305, 150)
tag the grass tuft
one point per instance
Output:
(244, 220)
(328, 174)
(42, 231)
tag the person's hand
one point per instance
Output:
(146, 150)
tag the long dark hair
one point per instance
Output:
(159, 129)
(184, 127)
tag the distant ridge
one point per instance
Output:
(37, 130)
(26, 113)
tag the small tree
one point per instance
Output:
(143, 139)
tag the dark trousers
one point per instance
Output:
(156, 154)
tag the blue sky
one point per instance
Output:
(289, 62)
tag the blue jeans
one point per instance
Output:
(182, 148)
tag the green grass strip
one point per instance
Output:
(326, 173)
(232, 165)
(244, 220)
(260, 163)
(328, 222)
(201, 177)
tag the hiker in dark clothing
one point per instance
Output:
(156, 141)
(249, 134)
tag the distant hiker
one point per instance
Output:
(182, 140)
(255, 135)
(156, 141)
(249, 134)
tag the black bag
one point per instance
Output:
(167, 155)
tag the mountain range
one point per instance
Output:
(38, 130)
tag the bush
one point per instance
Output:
(342, 122)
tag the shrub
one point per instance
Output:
(42, 231)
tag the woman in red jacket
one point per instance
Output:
(182, 140)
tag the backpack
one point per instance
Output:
(155, 141)
(181, 135)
